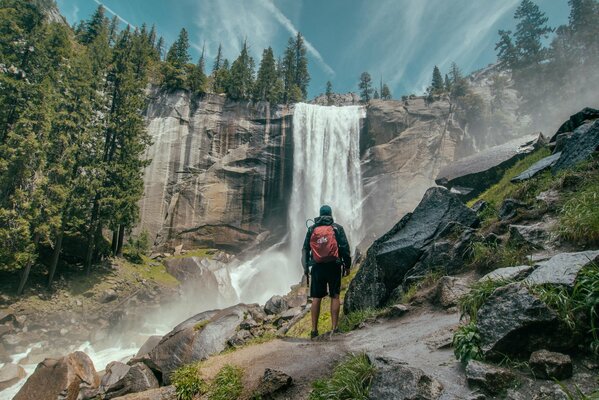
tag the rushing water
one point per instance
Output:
(326, 170)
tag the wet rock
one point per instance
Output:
(550, 365)
(60, 377)
(490, 378)
(578, 147)
(562, 269)
(114, 372)
(538, 167)
(148, 345)
(479, 206)
(272, 383)
(509, 273)
(510, 207)
(396, 311)
(138, 378)
(195, 339)
(163, 393)
(249, 324)
(513, 321)
(397, 252)
(576, 120)
(449, 290)
(108, 295)
(10, 374)
(553, 392)
(291, 313)
(239, 338)
(473, 174)
(537, 235)
(275, 305)
(394, 380)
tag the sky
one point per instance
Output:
(399, 41)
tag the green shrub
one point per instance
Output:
(579, 217)
(187, 382)
(137, 246)
(227, 384)
(351, 380)
(466, 343)
(478, 294)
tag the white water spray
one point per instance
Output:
(326, 170)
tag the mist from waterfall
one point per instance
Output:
(326, 170)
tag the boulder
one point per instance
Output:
(275, 305)
(393, 380)
(273, 382)
(63, 377)
(513, 321)
(108, 295)
(537, 235)
(4, 356)
(148, 345)
(396, 311)
(538, 167)
(195, 339)
(396, 253)
(239, 338)
(509, 273)
(550, 365)
(509, 208)
(472, 175)
(138, 378)
(488, 377)
(10, 374)
(449, 290)
(6, 316)
(579, 146)
(479, 206)
(163, 393)
(549, 197)
(561, 269)
(576, 120)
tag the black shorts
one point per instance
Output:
(326, 276)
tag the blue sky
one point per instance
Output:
(400, 40)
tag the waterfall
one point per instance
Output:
(326, 170)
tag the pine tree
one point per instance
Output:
(96, 26)
(302, 77)
(266, 85)
(197, 76)
(160, 48)
(289, 71)
(437, 81)
(459, 85)
(241, 78)
(175, 67)
(530, 29)
(385, 92)
(221, 77)
(447, 83)
(507, 54)
(329, 93)
(376, 96)
(365, 87)
(218, 61)
(583, 28)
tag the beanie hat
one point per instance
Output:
(326, 210)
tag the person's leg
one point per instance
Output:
(335, 307)
(315, 311)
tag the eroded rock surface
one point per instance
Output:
(562, 269)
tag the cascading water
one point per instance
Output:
(326, 170)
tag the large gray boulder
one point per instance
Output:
(397, 252)
(137, 378)
(393, 380)
(195, 339)
(163, 393)
(562, 269)
(488, 377)
(550, 365)
(579, 146)
(538, 167)
(584, 115)
(514, 321)
(472, 175)
(60, 378)
(516, 273)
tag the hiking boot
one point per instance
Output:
(313, 334)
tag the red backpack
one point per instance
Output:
(323, 244)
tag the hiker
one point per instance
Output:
(326, 251)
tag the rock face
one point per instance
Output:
(271, 383)
(403, 249)
(550, 365)
(576, 120)
(578, 147)
(195, 339)
(215, 165)
(513, 321)
(471, 175)
(450, 289)
(562, 269)
(60, 377)
(488, 377)
(396, 381)
(538, 167)
(10, 374)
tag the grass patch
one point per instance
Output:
(351, 380)
(478, 294)
(187, 382)
(227, 384)
(579, 217)
(201, 325)
(201, 253)
(489, 256)
(429, 279)
(466, 343)
(352, 320)
(264, 338)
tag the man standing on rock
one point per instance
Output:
(326, 250)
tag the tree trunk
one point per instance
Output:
(27, 269)
(115, 241)
(91, 237)
(119, 247)
(55, 257)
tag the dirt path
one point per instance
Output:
(413, 339)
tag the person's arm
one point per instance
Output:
(306, 253)
(343, 244)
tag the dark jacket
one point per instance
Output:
(342, 243)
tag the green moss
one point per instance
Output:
(188, 382)
(201, 325)
(350, 380)
(227, 384)
(489, 256)
(201, 253)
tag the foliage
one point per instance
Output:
(428, 280)
(365, 86)
(137, 247)
(187, 382)
(352, 320)
(294, 70)
(227, 384)
(351, 380)
(386, 92)
(437, 85)
(329, 92)
(466, 343)
(579, 217)
(478, 294)
(488, 256)
(268, 86)
(241, 77)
